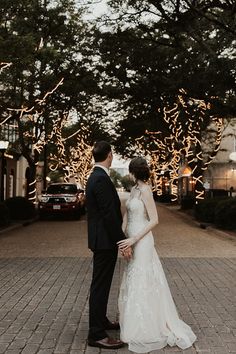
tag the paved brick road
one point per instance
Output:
(43, 306)
(45, 271)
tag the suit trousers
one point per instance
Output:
(104, 262)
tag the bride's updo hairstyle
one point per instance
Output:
(138, 167)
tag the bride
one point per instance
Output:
(148, 316)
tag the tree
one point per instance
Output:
(127, 183)
(49, 48)
(74, 160)
(116, 178)
(188, 141)
(154, 48)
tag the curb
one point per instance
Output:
(10, 228)
(18, 225)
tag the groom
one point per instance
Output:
(104, 231)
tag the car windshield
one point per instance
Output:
(62, 189)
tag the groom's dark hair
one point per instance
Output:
(101, 150)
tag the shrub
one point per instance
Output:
(127, 183)
(216, 193)
(4, 215)
(225, 214)
(165, 198)
(187, 202)
(205, 209)
(20, 208)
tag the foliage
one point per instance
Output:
(116, 178)
(164, 198)
(44, 43)
(182, 141)
(48, 47)
(225, 212)
(4, 215)
(127, 183)
(124, 72)
(55, 176)
(75, 160)
(150, 50)
(216, 192)
(20, 208)
(187, 202)
(205, 210)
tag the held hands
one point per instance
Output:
(127, 254)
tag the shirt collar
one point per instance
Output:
(104, 168)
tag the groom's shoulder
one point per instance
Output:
(97, 174)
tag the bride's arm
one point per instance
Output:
(124, 223)
(149, 203)
(125, 216)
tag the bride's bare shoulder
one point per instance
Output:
(146, 189)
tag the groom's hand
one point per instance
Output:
(127, 254)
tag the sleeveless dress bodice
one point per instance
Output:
(136, 213)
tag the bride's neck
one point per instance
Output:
(140, 183)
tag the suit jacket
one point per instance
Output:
(104, 214)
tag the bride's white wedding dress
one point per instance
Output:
(148, 316)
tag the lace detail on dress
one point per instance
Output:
(148, 316)
(137, 216)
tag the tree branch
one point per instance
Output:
(204, 14)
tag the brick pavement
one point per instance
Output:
(44, 310)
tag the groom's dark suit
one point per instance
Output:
(104, 231)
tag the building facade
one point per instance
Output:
(221, 173)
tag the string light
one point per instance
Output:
(35, 134)
(186, 121)
(41, 101)
(77, 162)
(4, 65)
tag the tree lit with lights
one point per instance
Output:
(190, 126)
(75, 161)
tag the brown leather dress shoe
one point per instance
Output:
(106, 343)
(113, 325)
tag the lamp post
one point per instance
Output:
(3, 148)
(186, 186)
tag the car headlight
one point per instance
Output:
(43, 199)
(70, 199)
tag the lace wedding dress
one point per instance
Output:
(148, 316)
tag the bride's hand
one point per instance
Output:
(125, 244)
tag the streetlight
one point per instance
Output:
(185, 180)
(3, 148)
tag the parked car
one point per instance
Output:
(62, 199)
